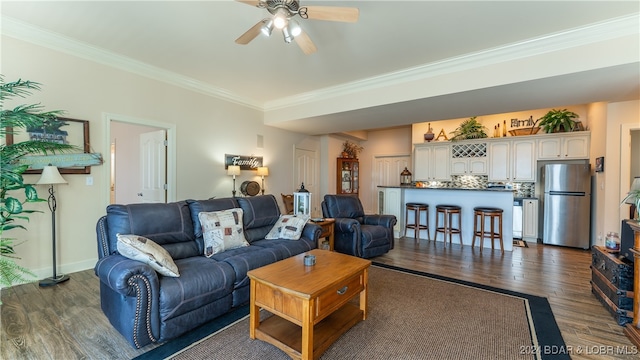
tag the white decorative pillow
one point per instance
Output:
(288, 227)
(140, 248)
(222, 230)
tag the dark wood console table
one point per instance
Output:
(632, 330)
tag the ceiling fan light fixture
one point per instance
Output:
(288, 37)
(280, 19)
(267, 27)
(294, 28)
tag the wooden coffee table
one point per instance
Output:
(311, 304)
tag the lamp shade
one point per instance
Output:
(51, 175)
(233, 170)
(263, 171)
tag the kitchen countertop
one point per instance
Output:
(441, 188)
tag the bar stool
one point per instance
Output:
(482, 213)
(417, 209)
(447, 228)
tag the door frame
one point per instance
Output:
(171, 150)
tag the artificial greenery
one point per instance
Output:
(558, 120)
(633, 195)
(352, 149)
(12, 185)
(469, 129)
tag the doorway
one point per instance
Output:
(142, 160)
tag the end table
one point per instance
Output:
(327, 225)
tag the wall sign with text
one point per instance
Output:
(245, 162)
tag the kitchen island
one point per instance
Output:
(396, 197)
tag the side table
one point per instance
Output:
(327, 225)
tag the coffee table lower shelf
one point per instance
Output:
(287, 336)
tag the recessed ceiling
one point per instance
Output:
(195, 40)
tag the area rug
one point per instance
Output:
(412, 315)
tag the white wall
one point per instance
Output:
(622, 117)
(206, 129)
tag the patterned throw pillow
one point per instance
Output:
(222, 230)
(288, 227)
(140, 248)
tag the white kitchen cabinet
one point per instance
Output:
(431, 162)
(392, 205)
(512, 160)
(574, 145)
(469, 166)
(530, 220)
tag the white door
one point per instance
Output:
(306, 171)
(153, 165)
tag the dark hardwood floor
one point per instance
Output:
(65, 322)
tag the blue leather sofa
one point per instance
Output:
(146, 307)
(356, 233)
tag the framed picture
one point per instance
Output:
(600, 164)
(62, 131)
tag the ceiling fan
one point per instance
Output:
(283, 13)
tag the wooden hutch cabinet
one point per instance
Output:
(348, 176)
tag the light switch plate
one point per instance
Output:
(89, 180)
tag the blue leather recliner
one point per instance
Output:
(357, 234)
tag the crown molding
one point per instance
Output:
(592, 33)
(596, 32)
(38, 36)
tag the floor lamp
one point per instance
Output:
(233, 170)
(51, 176)
(263, 171)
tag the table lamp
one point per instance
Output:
(233, 170)
(263, 171)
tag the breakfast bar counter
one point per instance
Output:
(396, 197)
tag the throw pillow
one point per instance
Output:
(140, 248)
(222, 230)
(288, 227)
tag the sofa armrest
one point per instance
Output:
(388, 221)
(129, 297)
(123, 275)
(347, 225)
(312, 232)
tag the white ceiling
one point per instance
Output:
(192, 44)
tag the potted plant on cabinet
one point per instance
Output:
(558, 121)
(469, 129)
(11, 180)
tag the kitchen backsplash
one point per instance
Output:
(520, 189)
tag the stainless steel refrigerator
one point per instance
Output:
(567, 205)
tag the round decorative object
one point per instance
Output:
(250, 188)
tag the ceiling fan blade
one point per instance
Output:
(332, 13)
(251, 34)
(304, 41)
(250, 2)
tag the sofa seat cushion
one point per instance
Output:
(375, 236)
(202, 281)
(247, 258)
(286, 248)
